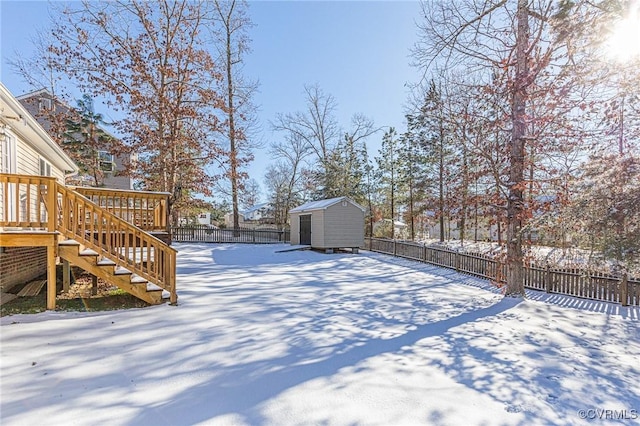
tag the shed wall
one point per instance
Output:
(317, 229)
(295, 228)
(343, 226)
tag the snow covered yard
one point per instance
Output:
(291, 338)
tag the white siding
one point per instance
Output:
(28, 162)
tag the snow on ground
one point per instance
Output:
(296, 338)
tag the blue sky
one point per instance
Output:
(358, 51)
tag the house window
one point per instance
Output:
(44, 104)
(45, 167)
(107, 161)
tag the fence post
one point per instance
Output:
(394, 247)
(624, 289)
(547, 279)
(457, 261)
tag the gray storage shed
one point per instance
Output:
(328, 224)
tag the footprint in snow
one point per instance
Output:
(513, 408)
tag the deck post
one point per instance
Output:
(51, 205)
(66, 275)
(51, 277)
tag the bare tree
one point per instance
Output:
(249, 194)
(285, 178)
(232, 42)
(316, 127)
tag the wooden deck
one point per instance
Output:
(121, 228)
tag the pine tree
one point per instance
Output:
(84, 139)
(388, 169)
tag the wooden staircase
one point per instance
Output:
(105, 232)
(87, 259)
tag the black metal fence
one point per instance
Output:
(573, 282)
(206, 234)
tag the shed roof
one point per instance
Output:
(323, 204)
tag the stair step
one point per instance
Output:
(122, 271)
(89, 252)
(136, 279)
(94, 262)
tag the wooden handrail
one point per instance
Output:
(116, 239)
(147, 210)
(38, 202)
(26, 201)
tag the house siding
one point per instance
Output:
(22, 264)
(19, 265)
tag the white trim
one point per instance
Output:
(8, 163)
(324, 204)
(13, 114)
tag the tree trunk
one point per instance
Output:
(233, 155)
(441, 193)
(411, 215)
(515, 205)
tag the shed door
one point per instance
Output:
(305, 229)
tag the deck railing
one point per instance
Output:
(41, 203)
(147, 210)
(25, 201)
(574, 282)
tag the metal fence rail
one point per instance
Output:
(573, 282)
(206, 234)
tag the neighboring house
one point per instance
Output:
(260, 214)
(113, 234)
(204, 218)
(41, 104)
